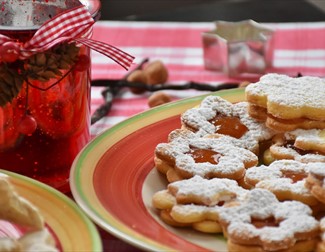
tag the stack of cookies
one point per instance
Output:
(253, 171)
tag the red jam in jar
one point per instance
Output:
(44, 99)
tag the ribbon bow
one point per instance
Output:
(71, 25)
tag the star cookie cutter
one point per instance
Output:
(238, 48)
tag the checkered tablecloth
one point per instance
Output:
(298, 48)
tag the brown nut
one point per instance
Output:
(140, 77)
(156, 72)
(158, 98)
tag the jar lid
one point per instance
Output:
(31, 14)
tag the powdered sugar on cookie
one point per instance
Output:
(216, 183)
(290, 218)
(230, 161)
(206, 192)
(235, 121)
(206, 157)
(286, 97)
(284, 178)
(313, 139)
(300, 145)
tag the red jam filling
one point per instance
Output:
(229, 125)
(268, 222)
(204, 155)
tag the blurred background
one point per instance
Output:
(209, 10)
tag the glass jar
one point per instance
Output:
(44, 99)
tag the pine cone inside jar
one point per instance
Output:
(10, 84)
(42, 67)
(50, 64)
(68, 55)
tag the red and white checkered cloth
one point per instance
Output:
(298, 48)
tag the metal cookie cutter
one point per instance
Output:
(237, 48)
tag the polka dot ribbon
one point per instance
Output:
(73, 25)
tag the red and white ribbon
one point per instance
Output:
(68, 26)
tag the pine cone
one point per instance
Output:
(68, 55)
(10, 84)
(41, 66)
(50, 64)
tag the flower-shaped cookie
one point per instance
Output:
(284, 178)
(217, 115)
(195, 202)
(185, 134)
(261, 221)
(288, 103)
(208, 158)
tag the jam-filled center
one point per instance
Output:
(205, 155)
(267, 222)
(229, 125)
(294, 176)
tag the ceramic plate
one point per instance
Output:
(113, 180)
(71, 228)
